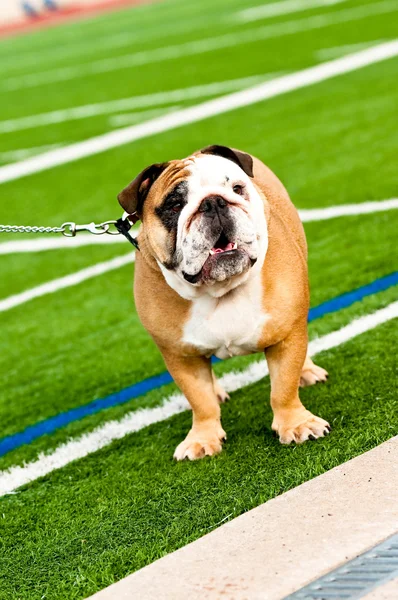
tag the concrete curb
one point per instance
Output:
(282, 545)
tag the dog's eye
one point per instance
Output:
(238, 189)
(176, 207)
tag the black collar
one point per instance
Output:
(123, 225)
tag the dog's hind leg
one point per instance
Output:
(221, 394)
(312, 374)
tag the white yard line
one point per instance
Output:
(74, 51)
(56, 243)
(193, 114)
(22, 153)
(134, 117)
(144, 101)
(307, 215)
(90, 442)
(200, 46)
(64, 282)
(336, 51)
(274, 9)
(344, 210)
(24, 60)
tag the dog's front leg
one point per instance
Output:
(292, 421)
(194, 377)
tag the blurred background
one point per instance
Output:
(14, 12)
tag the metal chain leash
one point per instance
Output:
(68, 229)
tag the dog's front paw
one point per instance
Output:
(300, 427)
(313, 375)
(204, 440)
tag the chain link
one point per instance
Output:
(68, 229)
(28, 229)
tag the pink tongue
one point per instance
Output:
(229, 246)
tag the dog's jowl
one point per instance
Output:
(222, 269)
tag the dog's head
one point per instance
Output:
(202, 219)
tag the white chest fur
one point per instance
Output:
(227, 326)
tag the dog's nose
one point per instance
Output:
(211, 204)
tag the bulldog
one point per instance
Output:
(222, 270)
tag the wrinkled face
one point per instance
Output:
(204, 221)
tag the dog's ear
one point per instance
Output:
(242, 159)
(133, 196)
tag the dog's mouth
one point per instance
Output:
(224, 261)
(223, 245)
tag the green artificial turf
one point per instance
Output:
(46, 443)
(90, 524)
(82, 352)
(24, 271)
(100, 518)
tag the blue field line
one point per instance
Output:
(33, 432)
(347, 299)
